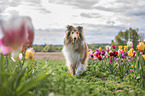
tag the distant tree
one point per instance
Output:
(142, 37)
(129, 35)
(37, 48)
(113, 43)
(49, 48)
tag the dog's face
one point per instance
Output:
(74, 34)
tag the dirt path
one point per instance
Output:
(48, 56)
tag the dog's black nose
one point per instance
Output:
(75, 38)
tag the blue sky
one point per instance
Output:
(101, 19)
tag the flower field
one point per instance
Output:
(116, 71)
(109, 73)
(121, 62)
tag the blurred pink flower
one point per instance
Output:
(4, 49)
(131, 70)
(129, 58)
(89, 49)
(17, 32)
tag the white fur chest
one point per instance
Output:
(71, 55)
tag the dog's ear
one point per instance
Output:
(68, 30)
(69, 27)
(80, 28)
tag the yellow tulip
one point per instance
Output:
(99, 48)
(143, 56)
(132, 49)
(141, 46)
(89, 53)
(95, 54)
(29, 53)
(107, 63)
(130, 53)
(95, 58)
(125, 48)
(120, 47)
(131, 66)
(121, 59)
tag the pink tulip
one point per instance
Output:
(114, 47)
(17, 32)
(4, 49)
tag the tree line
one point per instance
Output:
(130, 34)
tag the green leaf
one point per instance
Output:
(2, 68)
(27, 85)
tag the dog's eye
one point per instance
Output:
(77, 32)
(72, 32)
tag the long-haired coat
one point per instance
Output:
(75, 50)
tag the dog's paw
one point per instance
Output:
(81, 68)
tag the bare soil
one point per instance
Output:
(49, 56)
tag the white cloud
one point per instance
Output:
(100, 18)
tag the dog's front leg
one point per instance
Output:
(72, 69)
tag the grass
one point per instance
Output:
(92, 83)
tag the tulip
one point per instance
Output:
(92, 55)
(30, 53)
(103, 52)
(89, 53)
(129, 44)
(131, 70)
(131, 66)
(125, 48)
(95, 59)
(99, 48)
(17, 32)
(130, 53)
(99, 57)
(4, 49)
(97, 54)
(125, 54)
(119, 51)
(117, 59)
(140, 46)
(108, 48)
(120, 47)
(89, 50)
(114, 47)
(129, 58)
(115, 53)
(143, 56)
(111, 54)
(122, 56)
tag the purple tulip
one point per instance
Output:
(125, 54)
(103, 52)
(122, 56)
(92, 55)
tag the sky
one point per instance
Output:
(101, 19)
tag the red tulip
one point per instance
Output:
(111, 54)
(115, 53)
(100, 57)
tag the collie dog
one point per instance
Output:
(75, 50)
